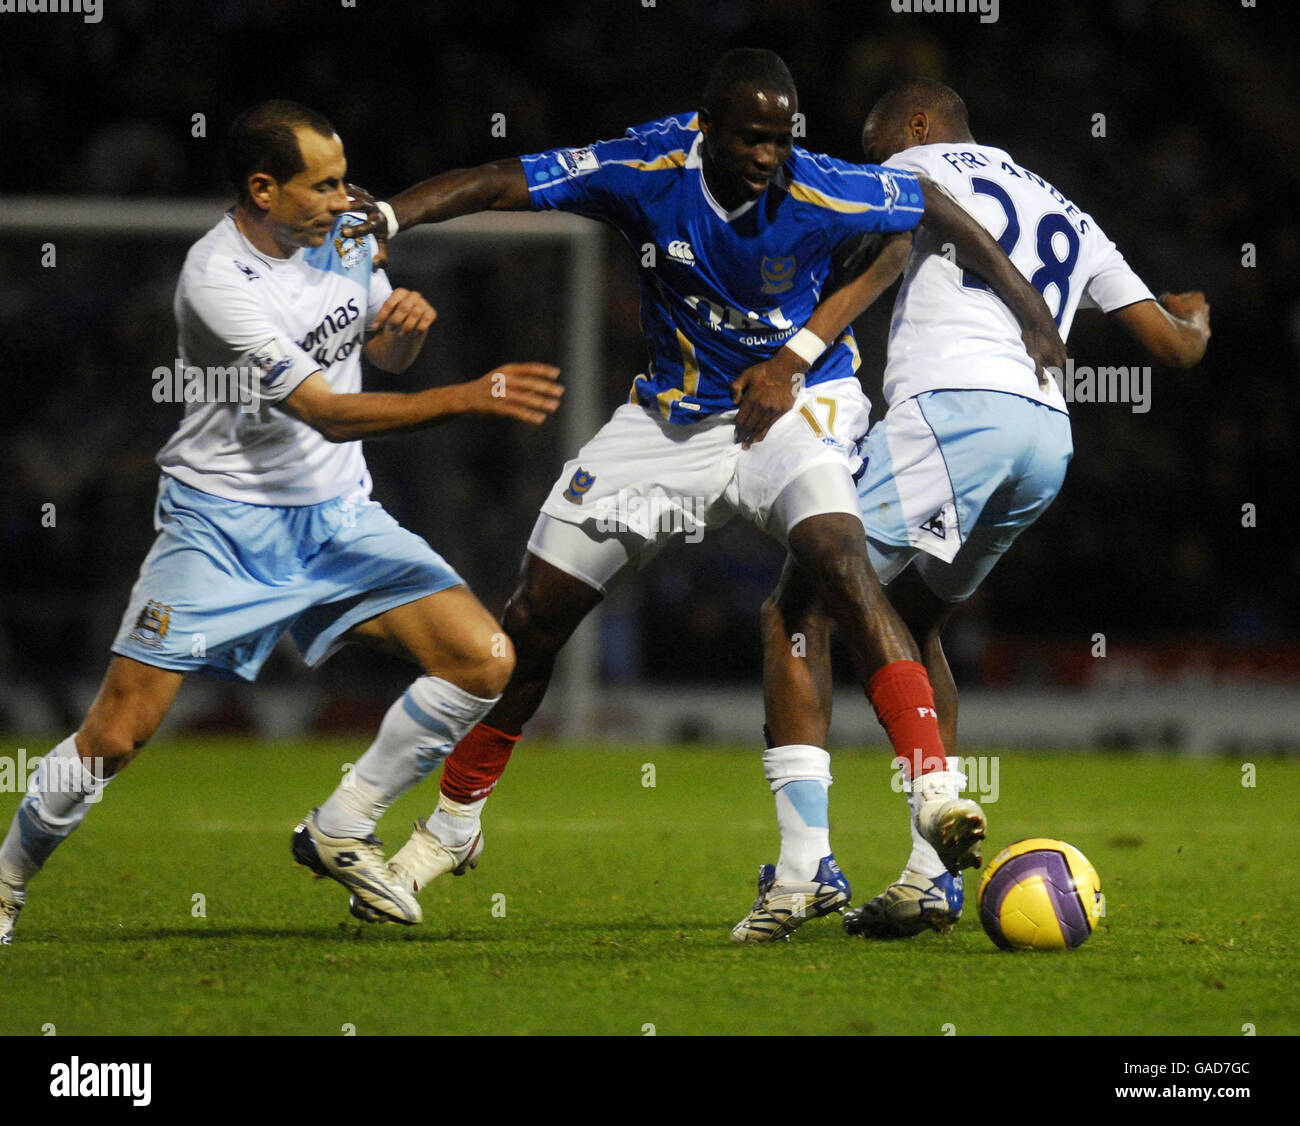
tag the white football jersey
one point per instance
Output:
(949, 330)
(276, 321)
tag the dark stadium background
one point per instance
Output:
(1146, 544)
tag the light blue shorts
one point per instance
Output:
(225, 581)
(952, 477)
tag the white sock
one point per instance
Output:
(419, 731)
(949, 782)
(800, 777)
(60, 794)
(456, 823)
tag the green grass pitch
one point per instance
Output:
(603, 905)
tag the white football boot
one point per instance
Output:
(358, 864)
(783, 908)
(911, 904)
(422, 860)
(11, 902)
(953, 825)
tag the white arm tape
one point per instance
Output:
(808, 346)
(386, 209)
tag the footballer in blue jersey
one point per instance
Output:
(721, 289)
(741, 411)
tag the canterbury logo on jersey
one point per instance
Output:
(679, 250)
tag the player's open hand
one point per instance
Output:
(764, 392)
(528, 392)
(405, 312)
(1043, 342)
(375, 223)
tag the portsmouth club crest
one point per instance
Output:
(579, 485)
(152, 624)
(778, 274)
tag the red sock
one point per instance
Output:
(904, 702)
(477, 763)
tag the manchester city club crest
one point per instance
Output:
(350, 250)
(152, 624)
(778, 274)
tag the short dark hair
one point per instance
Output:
(262, 140)
(926, 95)
(745, 66)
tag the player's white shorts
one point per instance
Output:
(225, 581)
(952, 477)
(641, 482)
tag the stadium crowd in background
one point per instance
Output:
(1149, 530)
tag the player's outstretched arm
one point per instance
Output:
(527, 392)
(498, 186)
(978, 251)
(1175, 330)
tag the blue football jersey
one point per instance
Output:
(722, 291)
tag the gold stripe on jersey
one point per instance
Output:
(804, 194)
(690, 379)
(849, 341)
(674, 159)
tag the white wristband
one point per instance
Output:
(808, 346)
(386, 209)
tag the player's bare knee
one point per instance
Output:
(484, 670)
(846, 574)
(110, 746)
(495, 670)
(537, 631)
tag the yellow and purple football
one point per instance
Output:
(1039, 894)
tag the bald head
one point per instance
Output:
(919, 111)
